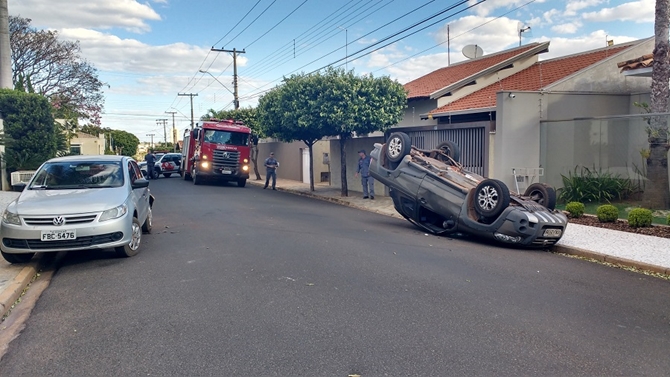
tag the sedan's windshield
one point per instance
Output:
(226, 137)
(78, 174)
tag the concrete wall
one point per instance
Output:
(90, 145)
(413, 111)
(351, 151)
(289, 156)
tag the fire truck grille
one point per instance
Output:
(225, 159)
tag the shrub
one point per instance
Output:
(667, 221)
(575, 209)
(607, 213)
(640, 217)
(594, 185)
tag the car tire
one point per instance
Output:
(542, 194)
(167, 175)
(450, 149)
(148, 222)
(133, 247)
(17, 258)
(491, 198)
(241, 182)
(194, 177)
(397, 146)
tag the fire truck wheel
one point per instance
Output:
(194, 177)
(241, 182)
(133, 247)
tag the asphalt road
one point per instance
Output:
(251, 282)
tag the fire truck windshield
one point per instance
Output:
(226, 137)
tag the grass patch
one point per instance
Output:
(659, 218)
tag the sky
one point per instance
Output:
(148, 52)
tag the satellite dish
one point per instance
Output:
(473, 51)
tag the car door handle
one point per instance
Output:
(423, 200)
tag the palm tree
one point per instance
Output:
(657, 193)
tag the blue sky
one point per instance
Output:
(149, 51)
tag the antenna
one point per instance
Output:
(473, 51)
(521, 28)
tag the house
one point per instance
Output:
(83, 143)
(505, 110)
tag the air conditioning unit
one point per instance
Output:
(22, 177)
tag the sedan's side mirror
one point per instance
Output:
(140, 183)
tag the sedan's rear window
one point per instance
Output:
(79, 174)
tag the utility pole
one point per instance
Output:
(5, 81)
(163, 122)
(189, 95)
(151, 146)
(235, 52)
(174, 131)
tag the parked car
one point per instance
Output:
(168, 164)
(432, 190)
(79, 203)
(143, 168)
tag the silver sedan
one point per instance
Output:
(79, 203)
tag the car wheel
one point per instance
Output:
(542, 194)
(491, 198)
(241, 182)
(167, 175)
(398, 146)
(133, 247)
(194, 177)
(148, 222)
(450, 149)
(17, 258)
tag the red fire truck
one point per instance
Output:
(217, 149)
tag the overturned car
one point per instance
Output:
(432, 190)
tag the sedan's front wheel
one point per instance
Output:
(17, 258)
(133, 247)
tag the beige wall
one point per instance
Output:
(289, 156)
(351, 151)
(90, 145)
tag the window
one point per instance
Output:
(75, 149)
(227, 137)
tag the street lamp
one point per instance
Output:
(236, 100)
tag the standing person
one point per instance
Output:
(364, 169)
(150, 158)
(271, 164)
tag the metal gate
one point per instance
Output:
(472, 142)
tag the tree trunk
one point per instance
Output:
(343, 162)
(657, 192)
(254, 159)
(311, 165)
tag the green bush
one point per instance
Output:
(594, 185)
(667, 221)
(575, 209)
(607, 213)
(640, 218)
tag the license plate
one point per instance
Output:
(226, 171)
(59, 235)
(553, 232)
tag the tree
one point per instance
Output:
(350, 104)
(30, 129)
(55, 69)
(249, 117)
(123, 143)
(290, 112)
(657, 191)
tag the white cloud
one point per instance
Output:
(638, 11)
(491, 34)
(573, 6)
(550, 15)
(567, 28)
(488, 7)
(567, 46)
(97, 14)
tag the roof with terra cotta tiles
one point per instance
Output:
(643, 61)
(534, 78)
(424, 86)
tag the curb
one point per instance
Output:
(14, 290)
(623, 262)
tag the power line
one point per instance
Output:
(238, 22)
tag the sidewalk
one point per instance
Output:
(622, 248)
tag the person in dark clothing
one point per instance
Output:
(366, 180)
(271, 164)
(150, 158)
